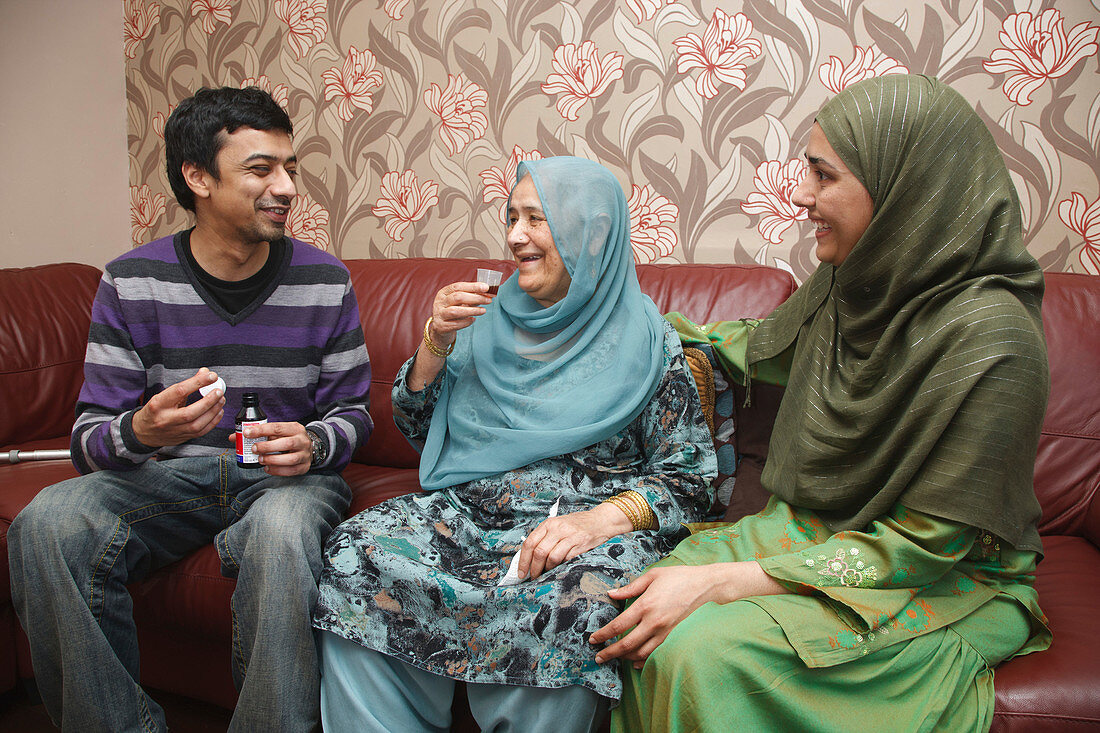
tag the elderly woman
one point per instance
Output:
(892, 568)
(565, 394)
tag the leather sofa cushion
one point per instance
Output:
(21, 483)
(1062, 681)
(1067, 469)
(44, 318)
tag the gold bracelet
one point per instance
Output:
(626, 509)
(441, 353)
(636, 509)
(648, 518)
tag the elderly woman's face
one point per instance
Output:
(836, 202)
(542, 274)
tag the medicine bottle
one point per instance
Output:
(249, 414)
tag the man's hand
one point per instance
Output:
(167, 419)
(287, 450)
(563, 538)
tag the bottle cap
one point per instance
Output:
(217, 384)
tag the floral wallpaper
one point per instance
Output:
(410, 116)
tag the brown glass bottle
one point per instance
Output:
(250, 414)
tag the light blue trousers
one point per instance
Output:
(363, 690)
(77, 545)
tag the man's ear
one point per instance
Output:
(198, 180)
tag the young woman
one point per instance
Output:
(892, 568)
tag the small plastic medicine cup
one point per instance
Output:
(490, 278)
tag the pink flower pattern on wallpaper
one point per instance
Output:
(774, 185)
(306, 22)
(579, 75)
(159, 119)
(353, 83)
(498, 184)
(866, 64)
(308, 221)
(642, 86)
(138, 21)
(212, 12)
(145, 210)
(395, 8)
(650, 214)
(1037, 49)
(1084, 218)
(724, 46)
(458, 107)
(279, 92)
(404, 201)
(645, 9)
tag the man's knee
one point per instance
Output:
(283, 534)
(290, 524)
(56, 517)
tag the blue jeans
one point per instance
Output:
(75, 547)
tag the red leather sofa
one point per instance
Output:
(182, 611)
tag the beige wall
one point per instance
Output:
(64, 193)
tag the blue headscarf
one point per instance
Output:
(527, 382)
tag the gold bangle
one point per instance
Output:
(649, 518)
(441, 353)
(636, 517)
(646, 518)
(626, 509)
(636, 509)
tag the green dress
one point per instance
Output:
(904, 518)
(898, 625)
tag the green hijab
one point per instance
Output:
(920, 371)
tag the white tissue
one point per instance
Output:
(512, 576)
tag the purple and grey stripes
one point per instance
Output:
(301, 349)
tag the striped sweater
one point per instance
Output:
(299, 346)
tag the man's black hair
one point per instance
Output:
(195, 132)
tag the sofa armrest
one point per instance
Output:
(1092, 517)
(754, 429)
(44, 316)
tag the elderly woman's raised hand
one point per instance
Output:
(454, 308)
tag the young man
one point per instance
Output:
(232, 297)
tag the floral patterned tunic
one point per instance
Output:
(416, 576)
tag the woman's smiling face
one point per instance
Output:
(541, 271)
(835, 200)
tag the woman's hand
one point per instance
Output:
(454, 308)
(563, 538)
(667, 595)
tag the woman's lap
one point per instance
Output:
(414, 579)
(730, 666)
